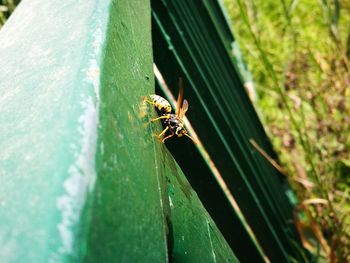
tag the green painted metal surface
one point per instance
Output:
(82, 177)
(49, 84)
(195, 237)
(127, 209)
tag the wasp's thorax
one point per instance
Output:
(175, 125)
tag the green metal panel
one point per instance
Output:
(195, 235)
(50, 57)
(127, 219)
(195, 39)
(82, 176)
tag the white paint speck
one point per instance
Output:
(171, 202)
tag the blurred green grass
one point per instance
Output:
(298, 53)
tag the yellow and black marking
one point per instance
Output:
(173, 122)
(160, 103)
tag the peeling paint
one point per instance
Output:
(82, 173)
(81, 180)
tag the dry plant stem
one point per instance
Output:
(314, 228)
(267, 157)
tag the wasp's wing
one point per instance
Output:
(183, 109)
(179, 98)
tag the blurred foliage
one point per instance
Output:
(6, 9)
(298, 52)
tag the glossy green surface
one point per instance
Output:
(127, 219)
(195, 237)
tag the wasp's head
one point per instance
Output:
(180, 131)
(176, 126)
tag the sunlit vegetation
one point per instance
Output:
(298, 53)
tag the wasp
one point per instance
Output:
(173, 122)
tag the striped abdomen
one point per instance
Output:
(162, 104)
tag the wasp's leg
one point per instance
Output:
(163, 132)
(161, 117)
(169, 136)
(145, 99)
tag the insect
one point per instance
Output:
(173, 122)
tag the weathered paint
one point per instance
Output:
(49, 74)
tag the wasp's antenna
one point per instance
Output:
(195, 142)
